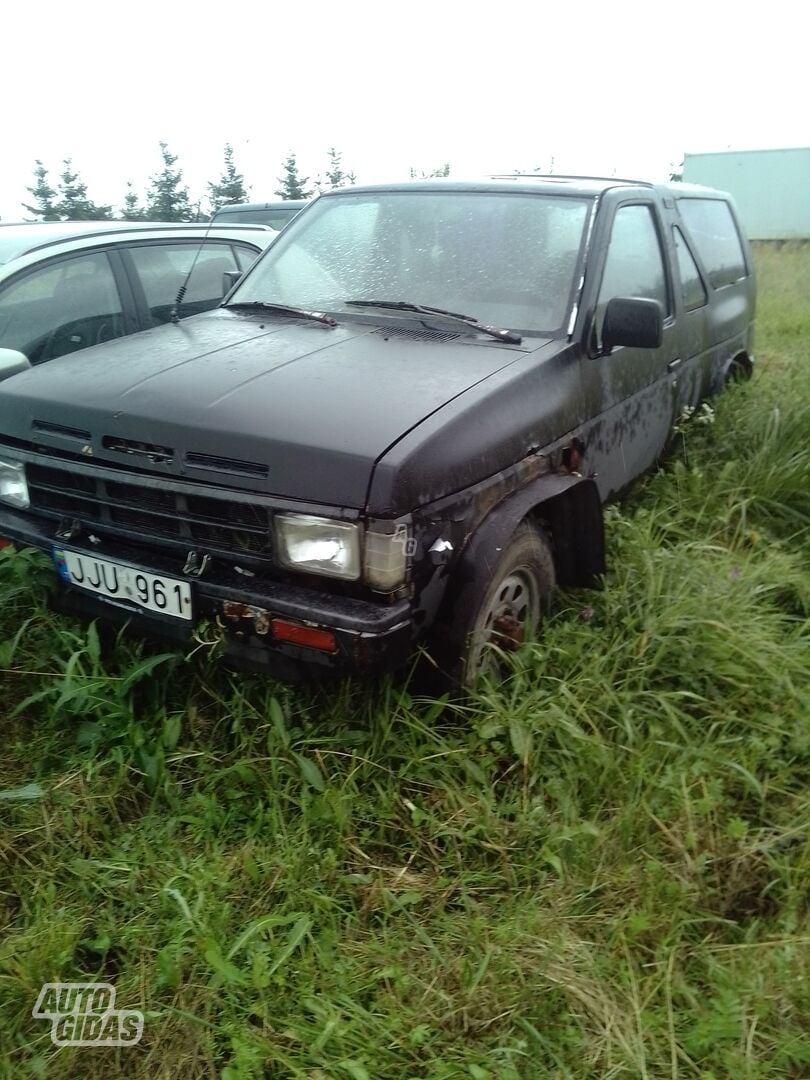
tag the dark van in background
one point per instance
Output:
(275, 214)
(399, 428)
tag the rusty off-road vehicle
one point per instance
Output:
(399, 427)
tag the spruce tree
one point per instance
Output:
(293, 186)
(44, 206)
(231, 186)
(132, 211)
(443, 170)
(74, 204)
(335, 176)
(166, 200)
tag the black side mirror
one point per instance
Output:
(632, 321)
(12, 362)
(229, 279)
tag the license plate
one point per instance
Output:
(118, 581)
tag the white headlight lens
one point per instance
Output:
(13, 486)
(318, 545)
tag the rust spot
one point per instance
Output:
(235, 611)
(495, 489)
(572, 456)
(507, 631)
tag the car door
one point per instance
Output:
(65, 304)
(159, 268)
(691, 373)
(627, 395)
(717, 244)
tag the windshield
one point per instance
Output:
(507, 259)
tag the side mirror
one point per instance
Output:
(632, 321)
(229, 279)
(12, 363)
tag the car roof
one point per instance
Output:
(532, 182)
(285, 204)
(525, 183)
(26, 237)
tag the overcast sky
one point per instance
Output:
(616, 88)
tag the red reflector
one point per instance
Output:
(6, 543)
(304, 635)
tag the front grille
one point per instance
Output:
(148, 498)
(153, 513)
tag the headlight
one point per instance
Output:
(318, 545)
(13, 486)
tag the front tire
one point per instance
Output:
(508, 606)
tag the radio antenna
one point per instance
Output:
(181, 292)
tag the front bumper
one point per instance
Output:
(368, 636)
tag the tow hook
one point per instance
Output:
(196, 565)
(68, 529)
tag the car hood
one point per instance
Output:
(291, 408)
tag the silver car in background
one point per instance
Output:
(67, 285)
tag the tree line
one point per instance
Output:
(167, 197)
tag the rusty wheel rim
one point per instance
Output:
(512, 607)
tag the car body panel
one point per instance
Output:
(246, 386)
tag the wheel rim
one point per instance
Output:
(511, 608)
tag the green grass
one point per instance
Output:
(598, 870)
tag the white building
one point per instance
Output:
(770, 187)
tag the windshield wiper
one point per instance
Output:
(285, 309)
(509, 336)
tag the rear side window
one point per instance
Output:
(59, 308)
(162, 269)
(693, 290)
(714, 232)
(245, 256)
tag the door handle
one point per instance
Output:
(676, 363)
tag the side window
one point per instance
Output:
(162, 269)
(245, 256)
(693, 291)
(634, 264)
(712, 228)
(275, 218)
(61, 307)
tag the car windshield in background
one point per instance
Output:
(276, 219)
(507, 259)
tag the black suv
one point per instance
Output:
(399, 427)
